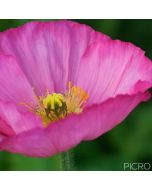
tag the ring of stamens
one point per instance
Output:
(55, 106)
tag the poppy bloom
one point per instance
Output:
(62, 83)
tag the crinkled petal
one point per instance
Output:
(14, 121)
(64, 134)
(14, 86)
(49, 53)
(5, 129)
(112, 68)
(53, 53)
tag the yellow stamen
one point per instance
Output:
(75, 99)
(55, 106)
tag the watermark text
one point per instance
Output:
(137, 166)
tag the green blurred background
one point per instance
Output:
(131, 141)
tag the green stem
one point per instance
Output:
(67, 161)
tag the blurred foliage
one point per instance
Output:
(131, 141)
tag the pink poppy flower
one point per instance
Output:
(62, 83)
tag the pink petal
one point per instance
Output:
(49, 53)
(13, 83)
(111, 68)
(67, 133)
(14, 121)
(5, 129)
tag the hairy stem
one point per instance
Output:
(67, 161)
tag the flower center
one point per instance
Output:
(55, 106)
